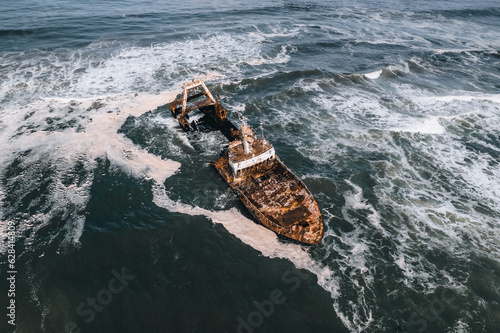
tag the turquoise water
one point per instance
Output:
(388, 111)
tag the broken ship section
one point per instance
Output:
(270, 191)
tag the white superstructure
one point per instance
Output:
(265, 156)
(249, 152)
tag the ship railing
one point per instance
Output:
(235, 169)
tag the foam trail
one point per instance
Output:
(250, 233)
(63, 149)
(266, 242)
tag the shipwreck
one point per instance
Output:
(270, 191)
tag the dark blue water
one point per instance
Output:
(388, 110)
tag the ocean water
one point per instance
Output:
(389, 111)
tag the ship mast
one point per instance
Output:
(244, 134)
(262, 130)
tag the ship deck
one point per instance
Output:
(278, 199)
(280, 196)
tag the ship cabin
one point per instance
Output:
(249, 154)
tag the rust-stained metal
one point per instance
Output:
(191, 92)
(272, 193)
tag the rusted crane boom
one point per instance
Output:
(191, 92)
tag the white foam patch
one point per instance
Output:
(373, 75)
(104, 68)
(479, 179)
(403, 67)
(281, 58)
(357, 201)
(436, 193)
(138, 67)
(459, 327)
(465, 98)
(352, 247)
(426, 126)
(63, 149)
(276, 31)
(461, 50)
(415, 270)
(439, 219)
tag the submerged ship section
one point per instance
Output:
(271, 192)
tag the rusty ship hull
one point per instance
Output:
(278, 199)
(270, 191)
